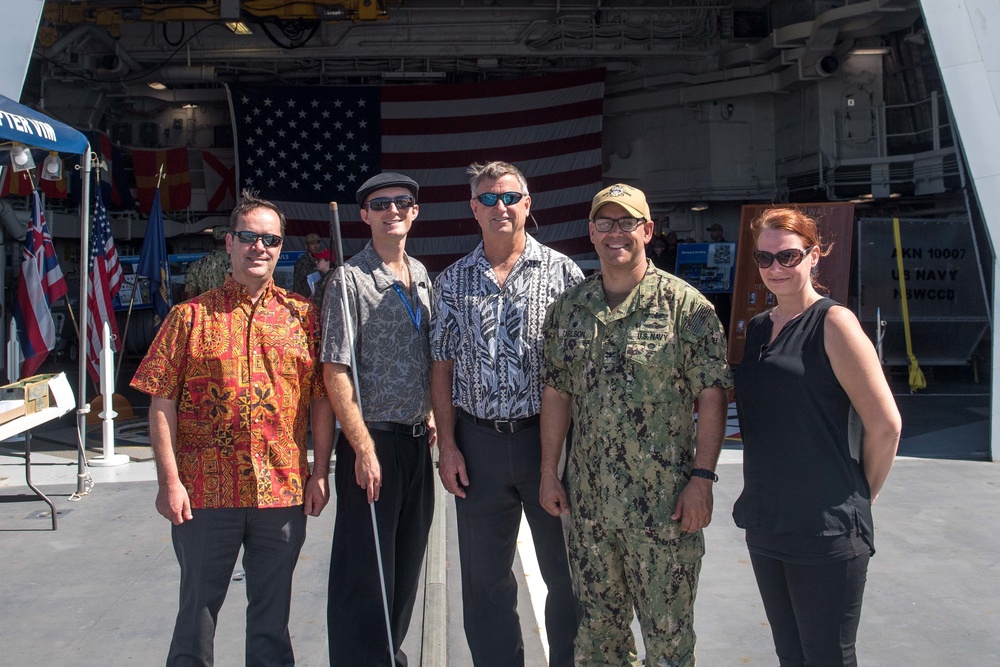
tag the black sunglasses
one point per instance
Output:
(625, 224)
(269, 240)
(491, 198)
(383, 203)
(788, 258)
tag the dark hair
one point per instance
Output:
(794, 221)
(249, 202)
(493, 171)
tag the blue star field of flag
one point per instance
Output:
(306, 144)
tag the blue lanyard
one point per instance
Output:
(414, 317)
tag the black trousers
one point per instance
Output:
(207, 547)
(504, 475)
(404, 510)
(814, 610)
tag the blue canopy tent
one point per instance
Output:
(24, 125)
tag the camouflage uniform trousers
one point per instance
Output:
(616, 569)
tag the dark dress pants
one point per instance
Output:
(813, 609)
(207, 547)
(504, 475)
(404, 510)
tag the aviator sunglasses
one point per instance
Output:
(491, 198)
(383, 203)
(269, 240)
(787, 258)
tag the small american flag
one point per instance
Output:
(304, 147)
(105, 281)
(41, 284)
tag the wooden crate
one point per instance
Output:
(32, 392)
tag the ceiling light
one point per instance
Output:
(239, 27)
(156, 85)
(331, 13)
(699, 206)
(52, 168)
(20, 157)
(880, 51)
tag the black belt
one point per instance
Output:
(503, 425)
(417, 430)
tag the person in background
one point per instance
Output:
(486, 388)
(235, 379)
(627, 354)
(810, 477)
(210, 271)
(716, 233)
(306, 265)
(385, 456)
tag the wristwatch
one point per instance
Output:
(705, 474)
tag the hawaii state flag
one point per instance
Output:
(175, 188)
(41, 284)
(303, 147)
(153, 263)
(106, 278)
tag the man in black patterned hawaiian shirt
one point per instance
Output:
(385, 455)
(486, 387)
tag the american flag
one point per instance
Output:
(41, 284)
(304, 147)
(105, 281)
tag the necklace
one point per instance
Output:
(778, 319)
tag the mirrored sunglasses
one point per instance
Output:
(491, 198)
(269, 240)
(383, 203)
(625, 224)
(788, 258)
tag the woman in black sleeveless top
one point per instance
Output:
(808, 485)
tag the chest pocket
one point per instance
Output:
(573, 349)
(651, 362)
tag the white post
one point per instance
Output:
(107, 368)
(13, 354)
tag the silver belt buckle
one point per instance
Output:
(507, 422)
(418, 430)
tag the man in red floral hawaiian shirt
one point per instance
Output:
(234, 374)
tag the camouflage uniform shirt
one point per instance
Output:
(305, 265)
(633, 374)
(208, 272)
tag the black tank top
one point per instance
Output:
(805, 495)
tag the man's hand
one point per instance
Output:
(173, 503)
(432, 433)
(368, 473)
(552, 495)
(317, 494)
(452, 470)
(694, 505)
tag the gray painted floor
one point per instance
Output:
(102, 589)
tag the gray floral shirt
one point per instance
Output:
(393, 355)
(494, 334)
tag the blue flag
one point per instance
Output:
(153, 262)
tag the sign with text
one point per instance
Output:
(750, 296)
(945, 290)
(707, 266)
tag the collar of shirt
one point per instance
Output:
(240, 292)
(476, 260)
(644, 296)
(369, 260)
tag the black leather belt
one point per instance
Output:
(417, 430)
(503, 425)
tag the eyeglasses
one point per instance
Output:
(269, 240)
(788, 258)
(624, 224)
(491, 198)
(383, 203)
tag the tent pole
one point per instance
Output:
(83, 480)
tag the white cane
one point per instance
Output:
(349, 330)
